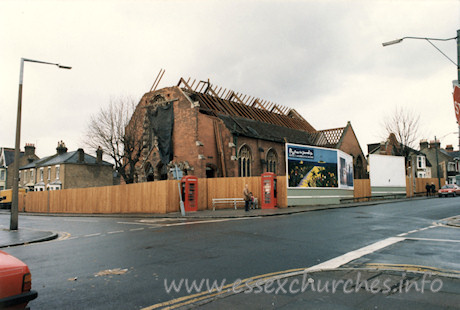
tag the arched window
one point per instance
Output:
(272, 161)
(244, 161)
(358, 169)
(149, 173)
(162, 171)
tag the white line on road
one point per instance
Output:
(79, 220)
(92, 235)
(134, 229)
(348, 257)
(115, 232)
(210, 221)
(133, 223)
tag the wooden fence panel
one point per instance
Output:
(282, 191)
(420, 184)
(231, 188)
(362, 188)
(163, 196)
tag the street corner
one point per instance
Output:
(23, 236)
(351, 288)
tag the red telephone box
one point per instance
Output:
(268, 195)
(189, 192)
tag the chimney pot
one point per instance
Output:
(61, 148)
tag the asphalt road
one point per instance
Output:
(130, 263)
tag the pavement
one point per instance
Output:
(338, 289)
(23, 236)
(9, 238)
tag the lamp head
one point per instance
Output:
(392, 42)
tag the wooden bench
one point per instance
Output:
(234, 201)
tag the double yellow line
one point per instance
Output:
(413, 268)
(191, 299)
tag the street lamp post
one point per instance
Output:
(15, 198)
(435, 39)
(457, 64)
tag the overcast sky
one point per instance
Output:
(322, 58)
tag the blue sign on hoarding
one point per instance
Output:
(311, 166)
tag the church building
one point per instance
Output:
(196, 128)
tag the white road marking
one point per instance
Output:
(209, 221)
(134, 229)
(92, 235)
(132, 223)
(115, 232)
(348, 257)
(79, 220)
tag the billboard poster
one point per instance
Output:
(311, 167)
(345, 170)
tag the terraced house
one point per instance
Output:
(66, 170)
(7, 161)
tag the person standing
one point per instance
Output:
(428, 189)
(247, 197)
(433, 189)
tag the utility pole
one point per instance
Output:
(15, 193)
(437, 161)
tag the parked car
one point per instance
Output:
(15, 283)
(449, 190)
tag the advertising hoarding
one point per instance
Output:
(316, 167)
(387, 171)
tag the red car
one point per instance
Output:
(449, 190)
(15, 283)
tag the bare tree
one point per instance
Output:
(404, 124)
(114, 129)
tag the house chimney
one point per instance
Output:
(81, 156)
(423, 144)
(449, 148)
(99, 155)
(434, 144)
(29, 152)
(61, 148)
(29, 149)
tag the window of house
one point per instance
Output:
(41, 174)
(49, 173)
(451, 167)
(31, 175)
(2, 175)
(58, 168)
(421, 174)
(272, 161)
(421, 163)
(244, 161)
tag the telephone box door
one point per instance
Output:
(189, 188)
(268, 195)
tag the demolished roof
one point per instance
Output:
(217, 102)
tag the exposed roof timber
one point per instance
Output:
(229, 102)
